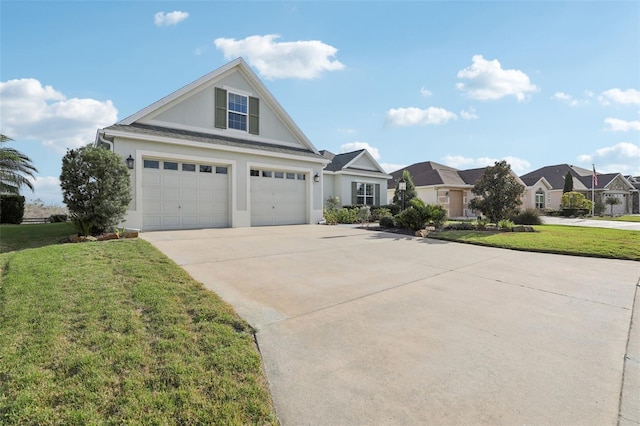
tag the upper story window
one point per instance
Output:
(237, 111)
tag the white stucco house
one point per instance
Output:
(219, 152)
(355, 178)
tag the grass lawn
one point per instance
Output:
(574, 240)
(19, 237)
(629, 218)
(115, 333)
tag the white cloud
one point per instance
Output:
(617, 125)
(415, 116)
(162, 19)
(623, 157)
(566, 98)
(424, 92)
(392, 167)
(625, 97)
(518, 165)
(273, 59)
(354, 146)
(487, 80)
(469, 114)
(33, 112)
(47, 188)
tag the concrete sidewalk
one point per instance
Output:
(361, 327)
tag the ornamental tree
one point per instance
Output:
(96, 188)
(409, 194)
(499, 192)
(568, 183)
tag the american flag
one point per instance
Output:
(595, 177)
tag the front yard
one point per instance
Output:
(572, 240)
(116, 333)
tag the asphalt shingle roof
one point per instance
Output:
(555, 176)
(148, 130)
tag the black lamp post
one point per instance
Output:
(402, 186)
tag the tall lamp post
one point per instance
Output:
(402, 186)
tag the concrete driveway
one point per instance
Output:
(359, 327)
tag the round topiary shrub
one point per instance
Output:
(387, 222)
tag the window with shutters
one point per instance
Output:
(237, 111)
(365, 193)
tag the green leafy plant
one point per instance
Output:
(405, 197)
(505, 224)
(387, 222)
(96, 188)
(348, 215)
(364, 214)
(498, 191)
(11, 208)
(419, 214)
(527, 217)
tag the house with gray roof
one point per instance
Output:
(439, 184)
(355, 178)
(219, 152)
(545, 186)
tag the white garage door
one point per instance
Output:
(278, 198)
(182, 195)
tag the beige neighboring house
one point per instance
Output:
(219, 152)
(545, 186)
(439, 184)
(355, 178)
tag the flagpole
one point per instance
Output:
(593, 190)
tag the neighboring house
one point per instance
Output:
(439, 184)
(547, 183)
(355, 178)
(635, 197)
(219, 152)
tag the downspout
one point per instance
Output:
(100, 139)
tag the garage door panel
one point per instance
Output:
(180, 199)
(278, 201)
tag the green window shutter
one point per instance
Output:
(254, 116)
(376, 199)
(221, 108)
(354, 193)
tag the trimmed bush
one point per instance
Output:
(348, 215)
(387, 222)
(419, 215)
(378, 213)
(54, 218)
(11, 208)
(460, 226)
(527, 217)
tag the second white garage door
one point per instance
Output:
(183, 195)
(278, 198)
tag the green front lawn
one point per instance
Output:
(628, 218)
(574, 240)
(116, 333)
(19, 237)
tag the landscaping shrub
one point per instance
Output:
(364, 214)
(11, 208)
(378, 213)
(96, 188)
(330, 216)
(348, 215)
(527, 217)
(387, 222)
(505, 224)
(460, 226)
(393, 208)
(419, 214)
(54, 218)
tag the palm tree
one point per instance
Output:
(15, 168)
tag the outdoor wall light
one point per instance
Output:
(316, 178)
(130, 162)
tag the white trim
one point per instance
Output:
(175, 141)
(202, 82)
(370, 158)
(139, 154)
(237, 92)
(370, 174)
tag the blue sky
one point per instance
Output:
(460, 83)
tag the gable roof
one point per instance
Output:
(243, 68)
(555, 176)
(347, 162)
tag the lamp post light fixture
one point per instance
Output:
(130, 161)
(316, 178)
(402, 186)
